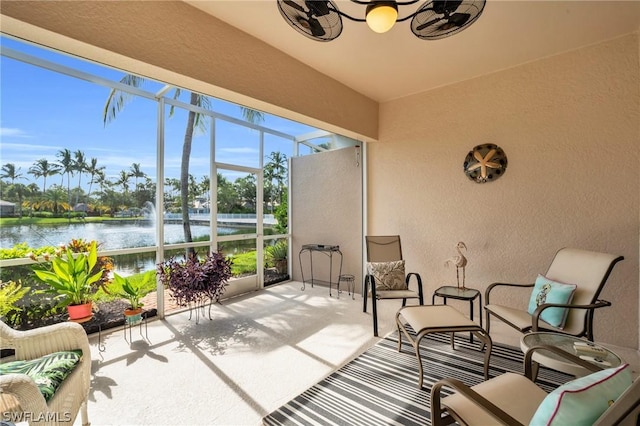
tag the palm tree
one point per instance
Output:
(43, 169)
(53, 199)
(277, 163)
(136, 173)
(66, 166)
(94, 171)
(115, 103)
(194, 189)
(79, 165)
(10, 171)
(18, 190)
(173, 184)
(101, 179)
(124, 181)
(205, 186)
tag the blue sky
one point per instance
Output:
(43, 112)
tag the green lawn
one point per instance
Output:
(12, 221)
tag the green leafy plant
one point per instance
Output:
(194, 281)
(277, 256)
(72, 277)
(134, 288)
(11, 293)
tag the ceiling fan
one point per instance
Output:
(321, 20)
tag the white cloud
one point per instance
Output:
(25, 147)
(15, 133)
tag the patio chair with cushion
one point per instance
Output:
(563, 300)
(604, 397)
(386, 277)
(47, 380)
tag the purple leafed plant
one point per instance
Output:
(194, 281)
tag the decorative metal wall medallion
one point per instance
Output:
(485, 163)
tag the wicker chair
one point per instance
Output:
(19, 393)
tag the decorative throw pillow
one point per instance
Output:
(582, 401)
(388, 275)
(48, 372)
(549, 291)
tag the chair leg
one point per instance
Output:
(365, 293)
(375, 316)
(84, 414)
(488, 322)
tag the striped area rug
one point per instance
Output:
(380, 387)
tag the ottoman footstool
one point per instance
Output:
(438, 319)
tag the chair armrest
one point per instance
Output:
(41, 341)
(536, 314)
(24, 390)
(492, 286)
(473, 396)
(418, 279)
(528, 359)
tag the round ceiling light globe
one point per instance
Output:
(381, 16)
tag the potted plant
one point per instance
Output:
(133, 289)
(194, 281)
(277, 256)
(72, 277)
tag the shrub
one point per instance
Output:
(194, 281)
(11, 293)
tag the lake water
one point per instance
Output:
(111, 235)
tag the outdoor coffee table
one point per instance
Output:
(427, 319)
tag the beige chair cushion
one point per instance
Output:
(435, 316)
(518, 317)
(515, 394)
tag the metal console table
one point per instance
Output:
(327, 250)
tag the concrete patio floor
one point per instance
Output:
(258, 351)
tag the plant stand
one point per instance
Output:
(128, 325)
(89, 321)
(200, 306)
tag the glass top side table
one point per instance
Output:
(565, 342)
(452, 292)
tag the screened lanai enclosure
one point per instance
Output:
(151, 171)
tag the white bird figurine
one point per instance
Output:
(459, 261)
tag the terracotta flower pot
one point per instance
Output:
(133, 316)
(77, 312)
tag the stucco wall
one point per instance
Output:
(569, 126)
(326, 208)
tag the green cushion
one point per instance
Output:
(584, 400)
(549, 291)
(48, 372)
(388, 275)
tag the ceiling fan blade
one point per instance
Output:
(318, 8)
(428, 24)
(316, 28)
(294, 5)
(446, 6)
(459, 19)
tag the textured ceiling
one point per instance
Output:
(396, 64)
